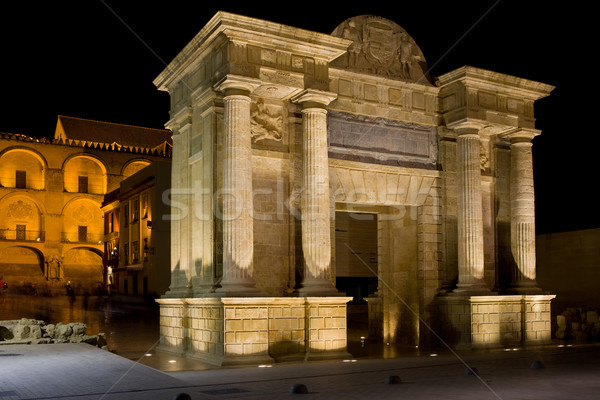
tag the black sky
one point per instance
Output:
(97, 60)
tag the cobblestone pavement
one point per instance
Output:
(80, 371)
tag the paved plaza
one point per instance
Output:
(81, 371)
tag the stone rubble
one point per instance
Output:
(32, 331)
(578, 324)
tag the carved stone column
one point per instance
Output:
(470, 214)
(314, 201)
(238, 238)
(522, 211)
(180, 266)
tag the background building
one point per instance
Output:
(137, 234)
(51, 191)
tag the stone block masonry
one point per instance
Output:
(236, 330)
(281, 129)
(495, 321)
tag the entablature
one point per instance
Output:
(284, 58)
(489, 99)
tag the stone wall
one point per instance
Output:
(234, 330)
(568, 265)
(495, 321)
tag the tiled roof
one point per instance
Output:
(111, 133)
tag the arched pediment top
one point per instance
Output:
(381, 47)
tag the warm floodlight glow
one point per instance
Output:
(148, 354)
(433, 355)
(349, 361)
(265, 366)
(172, 361)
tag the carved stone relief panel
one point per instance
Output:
(267, 125)
(381, 141)
(20, 210)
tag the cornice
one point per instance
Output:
(485, 79)
(254, 31)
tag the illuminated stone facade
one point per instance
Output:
(137, 237)
(51, 191)
(281, 134)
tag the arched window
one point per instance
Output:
(23, 169)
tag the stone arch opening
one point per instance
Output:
(22, 268)
(83, 269)
(82, 222)
(85, 174)
(21, 219)
(134, 166)
(22, 168)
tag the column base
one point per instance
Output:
(232, 291)
(475, 289)
(524, 288)
(178, 293)
(318, 288)
(237, 288)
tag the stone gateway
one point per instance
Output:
(303, 162)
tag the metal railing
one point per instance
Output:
(76, 237)
(21, 235)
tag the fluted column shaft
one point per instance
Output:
(522, 210)
(316, 241)
(470, 213)
(314, 201)
(238, 240)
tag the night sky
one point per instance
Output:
(97, 60)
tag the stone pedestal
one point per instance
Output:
(476, 322)
(254, 330)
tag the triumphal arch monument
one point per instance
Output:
(303, 159)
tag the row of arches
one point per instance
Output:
(29, 269)
(26, 168)
(24, 218)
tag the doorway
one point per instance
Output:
(356, 255)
